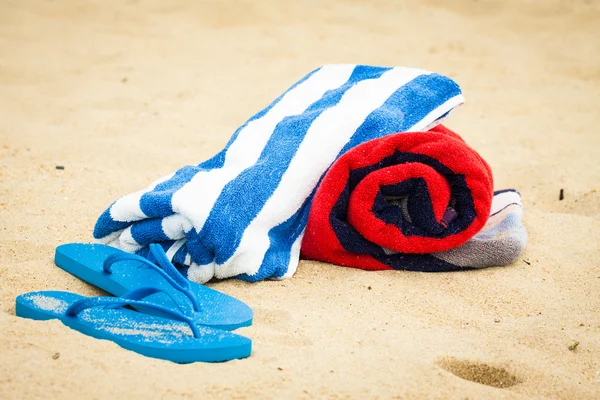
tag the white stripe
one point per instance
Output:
(294, 258)
(127, 208)
(324, 140)
(127, 242)
(503, 199)
(173, 249)
(200, 273)
(197, 197)
(111, 239)
(175, 226)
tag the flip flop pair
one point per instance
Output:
(176, 319)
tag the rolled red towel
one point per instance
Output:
(389, 202)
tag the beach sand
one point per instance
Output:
(123, 92)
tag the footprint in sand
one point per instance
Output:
(479, 372)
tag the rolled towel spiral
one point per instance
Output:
(401, 201)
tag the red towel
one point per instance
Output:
(408, 193)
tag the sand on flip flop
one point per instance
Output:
(99, 98)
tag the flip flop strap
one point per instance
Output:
(159, 255)
(166, 270)
(90, 302)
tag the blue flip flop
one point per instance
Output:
(175, 338)
(118, 272)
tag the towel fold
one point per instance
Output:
(421, 201)
(243, 212)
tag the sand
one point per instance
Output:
(123, 92)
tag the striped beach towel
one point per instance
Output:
(243, 212)
(420, 201)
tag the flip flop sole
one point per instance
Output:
(85, 261)
(145, 334)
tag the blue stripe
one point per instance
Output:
(201, 254)
(262, 178)
(179, 257)
(148, 231)
(157, 202)
(420, 96)
(106, 225)
(282, 238)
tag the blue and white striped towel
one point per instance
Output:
(243, 212)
